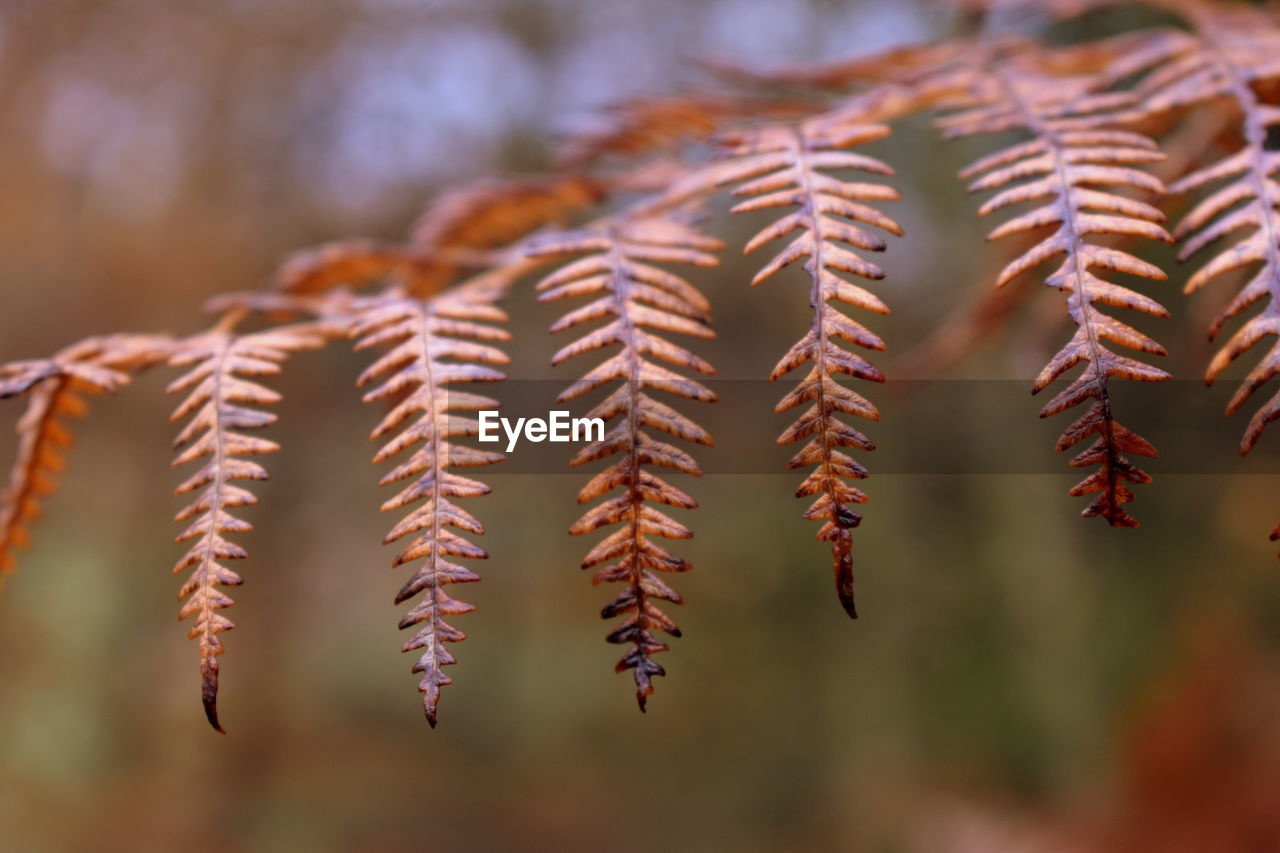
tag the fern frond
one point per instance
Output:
(1231, 46)
(1231, 53)
(640, 301)
(1248, 200)
(221, 403)
(355, 263)
(988, 311)
(57, 387)
(652, 126)
(460, 232)
(896, 64)
(1068, 169)
(787, 166)
(359, 264)
(332, 309)
(435, 345)
(641, 126)
(487, 214)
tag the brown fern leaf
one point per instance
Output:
(1068, 168)
(221, 403)
(1248, 200)
(787, 166)
(19, 377)
(652, 125)
(344, 263)
(619, 271)
(435, 345)
(57, 387)
(359, 264)
(894, 64)
(487, 214)
(1232, 52)
(642, 125)
(456, 234)
(1233, 48)
(277, 307)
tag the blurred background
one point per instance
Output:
(1020, 679)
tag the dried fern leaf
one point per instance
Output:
(329, 316)
(435, 345)
(332, 306)
(359, 264)
(642, 126)
(222, 401)
(487, 214)
(1232, 53)
(57, 388)
(1068, 169)
(895, 64)
(640, 302)
(1247, 200)
(987, 312)
(652, 126)
(353, 263)
(789, 166)
(1232, 46)
(460, 233)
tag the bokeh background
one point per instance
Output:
(1020, 679)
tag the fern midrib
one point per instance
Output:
(26, 481)
(437, 473)
(1043, 130)
(622, 297)
(207, 634)
(1255, 134)
(817, 302)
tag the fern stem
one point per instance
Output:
(210, 646)
(37, 428)
(1079, 311)
(621, 297)
(439, 462)
(1255, 135)
(841, 517)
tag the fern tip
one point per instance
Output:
(844, 574)
(209, 698)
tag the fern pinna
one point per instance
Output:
(220, 404)
(1067, 168)
(435, 344)
(1227, 57)
(637, 297)
(429, 301)
(786, 166)
(57, 387)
